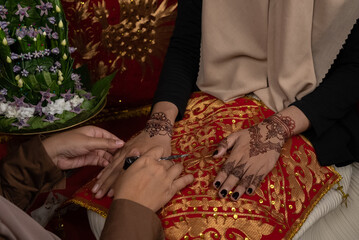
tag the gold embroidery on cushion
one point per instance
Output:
(222, 226)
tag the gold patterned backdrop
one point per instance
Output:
(128, 36)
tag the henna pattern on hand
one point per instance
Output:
(257, 146)
(159, 124)
(279, 126)
(246, 181)
(238, 171)
(228, 167)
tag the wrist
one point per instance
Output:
(159, 124)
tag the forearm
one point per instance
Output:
(26, 172)
(181, 65)
(338, 94)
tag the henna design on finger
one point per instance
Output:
(257, 180)
(159, 124)
(224, 143)
(246, 181)
(238, 171)
(257, 146)
(227, 167)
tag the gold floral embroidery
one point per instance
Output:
(142, 31)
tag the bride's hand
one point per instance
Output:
(254, 154)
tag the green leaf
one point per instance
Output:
(101, 87)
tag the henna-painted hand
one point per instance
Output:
(254, 154)
(157, 133)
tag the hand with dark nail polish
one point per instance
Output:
(224, 192)
(249, 190)
(217, 184)
(235, 195)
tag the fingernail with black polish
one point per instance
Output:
(224, 192)
(215, 153)
(235, 195)
(249, 190)
(217, 184)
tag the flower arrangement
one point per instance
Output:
(39, 90)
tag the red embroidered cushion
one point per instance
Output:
(278, 208)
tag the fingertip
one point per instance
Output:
(250, 190)
(95, 188)
(98, 195)
(110, 193)
(220, 152)
(119, 143)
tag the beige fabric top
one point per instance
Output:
(278, 49)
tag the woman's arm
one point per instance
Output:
(181, 65)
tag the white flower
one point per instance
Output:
(11, 112)
(57, 107)
(76, 100)
(3, 107)
(26, 112)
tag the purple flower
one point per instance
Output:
(22, 56)
(36, 54)
(32, 33)
(52, 20)
(39, 69)
(88, 96)
(10, 41)
(55, 51)
(55, 35)
(38, 108)
(77, 109)
(72, 50)
(44, 7)
(49, 5)
(21, 123)
(41, 53)
(3, 24)
(3, 91)
(14, 56)
(53, 69)
(16, 69)
(19, 102)
(21, 32)
(75, 77)
(47, 30)
(3, 12)
(22, 12)
(50, 118)
(47, 96)
(47, 52)
(24, 73)
(28, 56)
(57, 64)
(68, 95)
